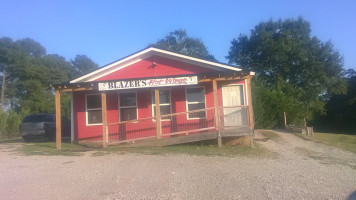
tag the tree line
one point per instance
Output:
(295, 73)
(28, 74)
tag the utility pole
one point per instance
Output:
(3, 89)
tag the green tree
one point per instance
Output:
(178, 41)
(341, 109)
(82, 64)
(31, 47)
(31, 73)
(288, 59)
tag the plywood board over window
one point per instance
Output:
(93, 109)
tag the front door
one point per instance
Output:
(233, 97)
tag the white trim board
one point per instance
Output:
(120, 64)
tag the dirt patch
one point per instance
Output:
(302, 170)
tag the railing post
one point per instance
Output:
(71, 118)
(216, 112)
(58, 120)
(104, 119)
(158, 115)
(250, 107)
(216, 105)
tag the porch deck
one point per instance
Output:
(176, 139)
(214, 123)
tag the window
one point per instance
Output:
(164, 102)
(39, 118)
(93, 106)
(195, 101)
(128, 106)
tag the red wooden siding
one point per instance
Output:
(164, 67)
(144, 104)
(81, 130)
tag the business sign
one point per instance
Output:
(146, 83)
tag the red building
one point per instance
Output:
(196, 100)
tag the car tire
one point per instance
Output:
(52, 135)
(25, 139)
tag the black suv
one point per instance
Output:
(42, 126)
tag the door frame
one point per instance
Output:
(243, 93)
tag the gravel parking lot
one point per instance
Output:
(299, 169)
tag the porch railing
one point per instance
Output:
(182, 123)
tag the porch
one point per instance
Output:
(214, 122)
(232, 122)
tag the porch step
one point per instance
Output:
(236, 132)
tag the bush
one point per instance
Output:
(9, 124)
(270, 103)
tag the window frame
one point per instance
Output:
(119, 107)
(165, 104)
(187, 103)
(90, 109)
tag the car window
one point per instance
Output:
(39, 118)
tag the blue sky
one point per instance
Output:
(108, 30)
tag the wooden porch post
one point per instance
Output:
(250, 106)
(216, 104)
(71, 118)
(158, 115)
(216, 111)
(58, 120)
(104, 119)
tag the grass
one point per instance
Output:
(342, 141)
(198, 150)
(9, 141)
(269, 134)
(49, 148)
(324, 158)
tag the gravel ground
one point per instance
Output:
(299, 170)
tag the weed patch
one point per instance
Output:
(49, 149)
(342, 141)
(323, 158)
(197, 150)
(269, 134)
